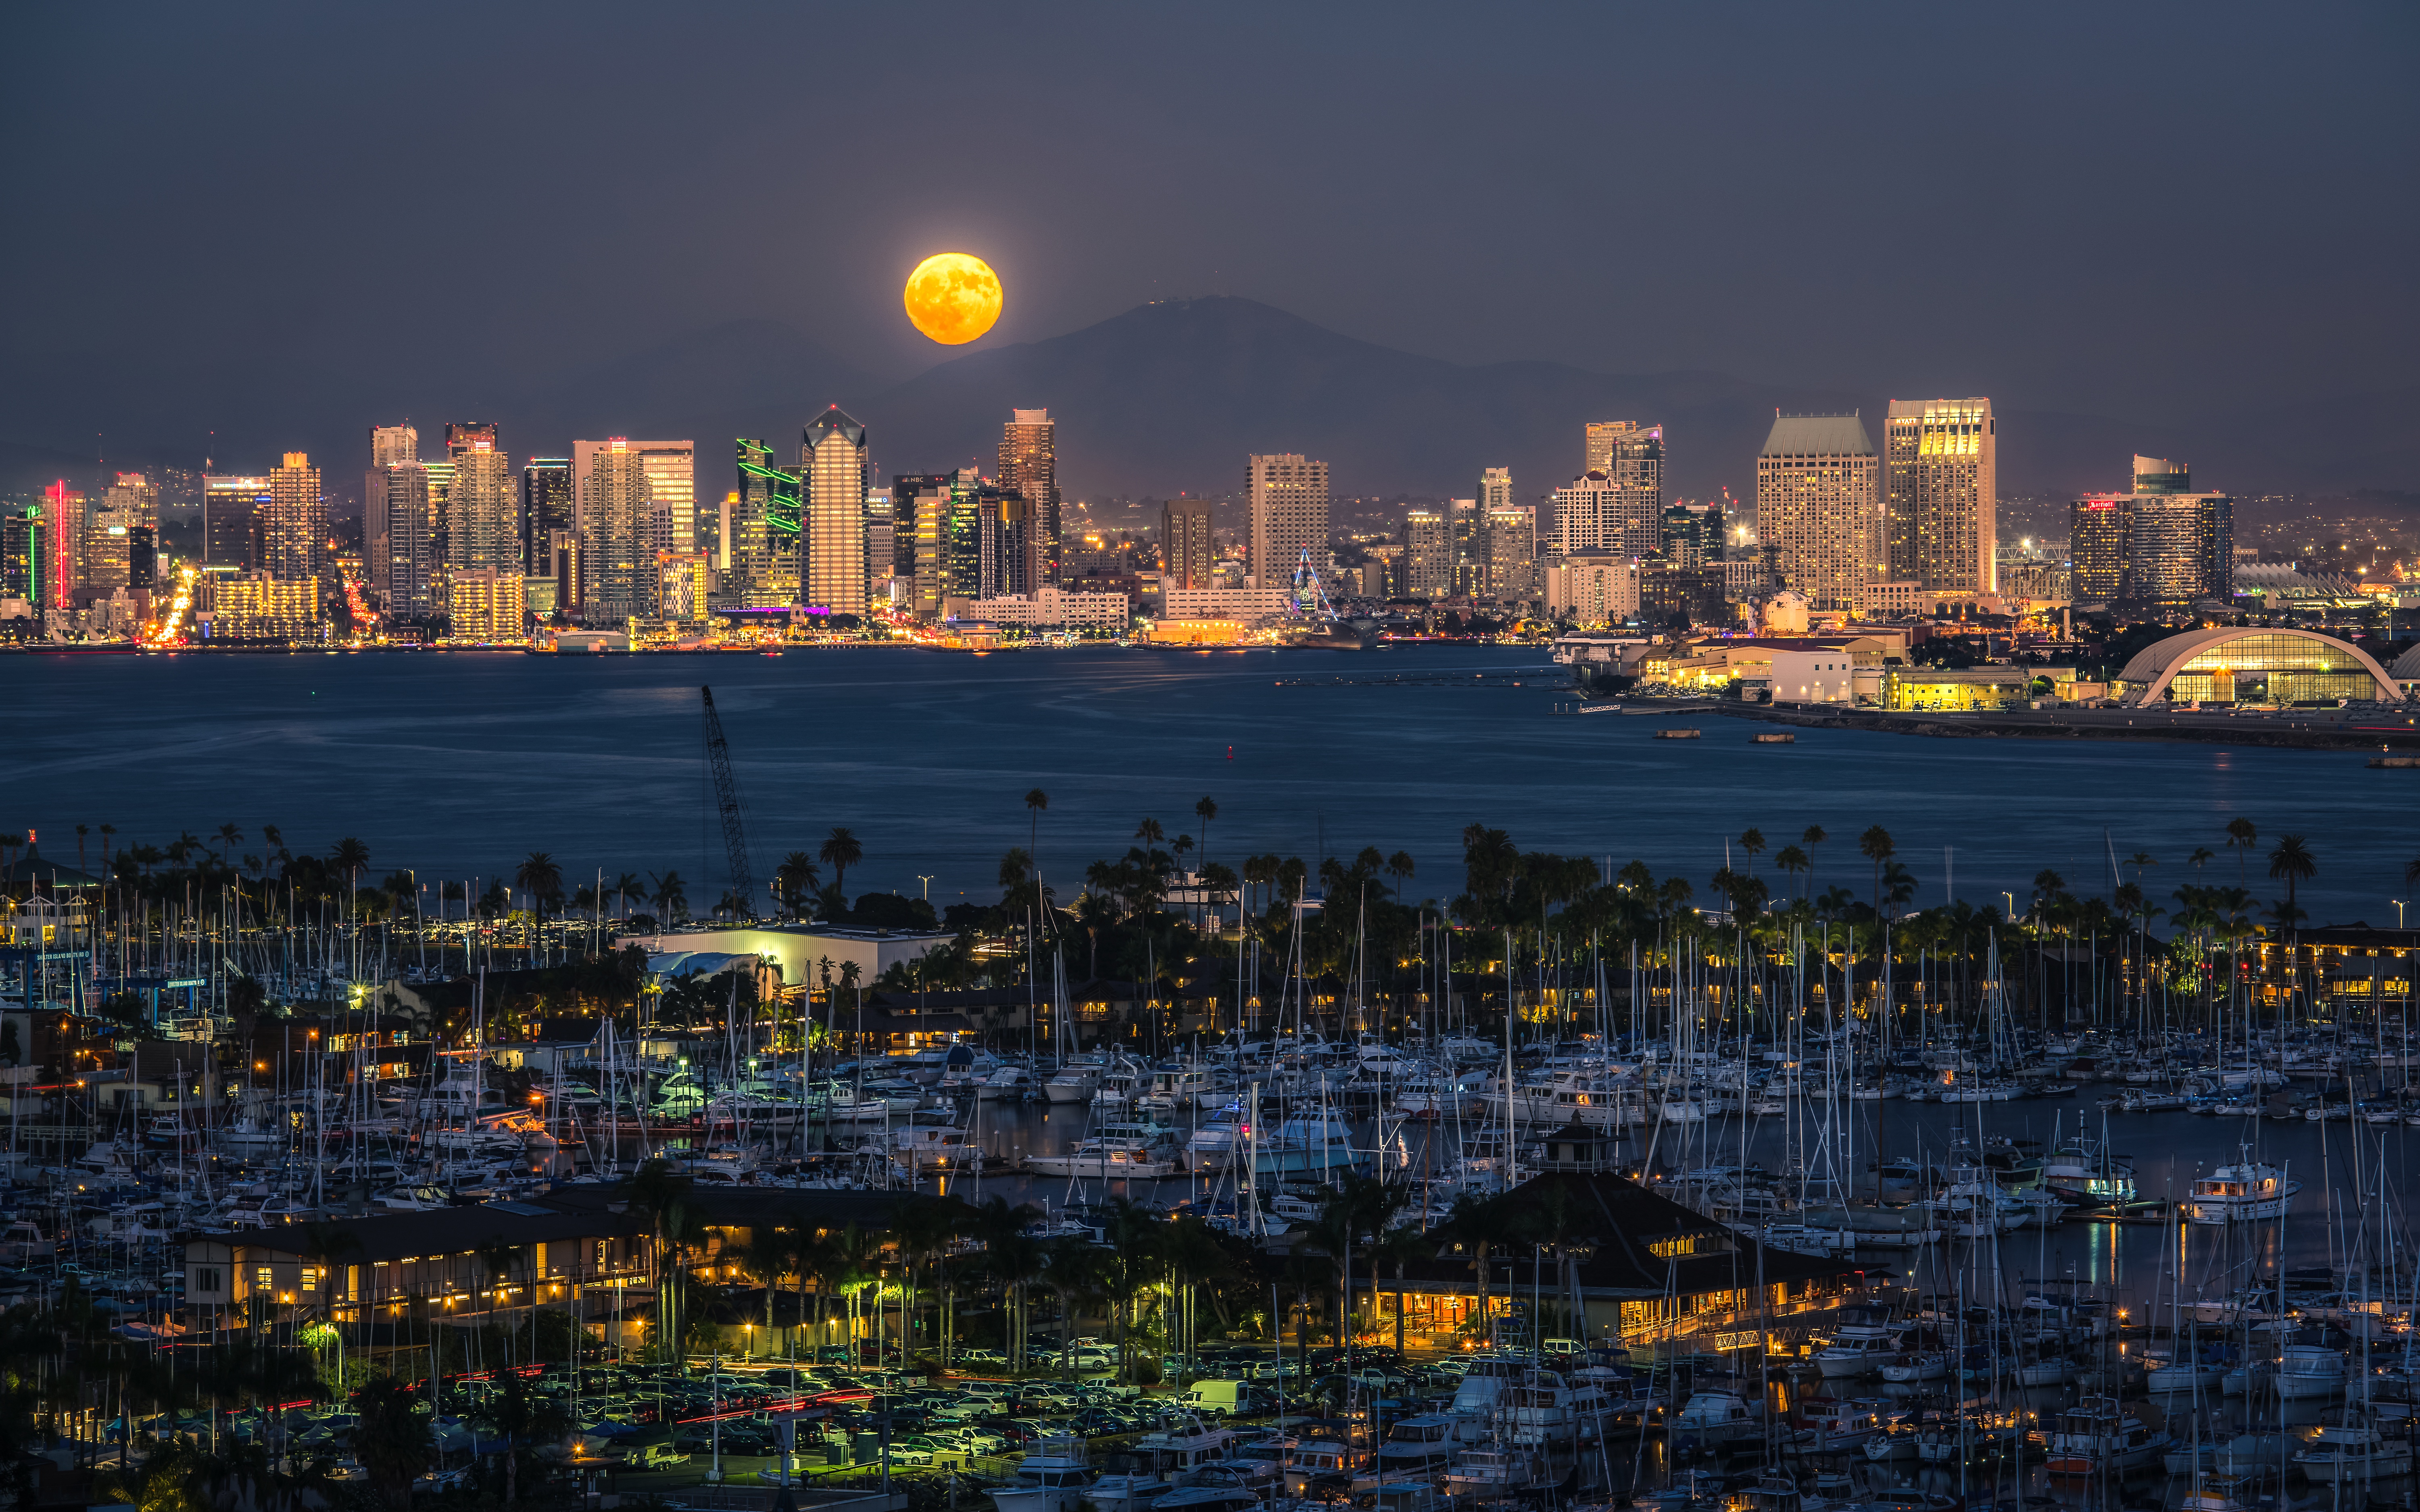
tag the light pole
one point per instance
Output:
(2398, 911)
(927, 888)
(2011, 899)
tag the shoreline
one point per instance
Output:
(2365, 733)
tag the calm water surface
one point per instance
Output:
(459, 765)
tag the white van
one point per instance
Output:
(1218, 1395)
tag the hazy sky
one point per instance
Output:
(2136, 209)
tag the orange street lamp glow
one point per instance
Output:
(953, 297)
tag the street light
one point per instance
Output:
(927, 882)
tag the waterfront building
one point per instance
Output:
(1029, 469)
(2244, 664)
(548, 504)
(486, 605)
(257, 606)
(1288, 498)
(1187, 551)
(294, 526)
(1819, 507)
(231, 512)
(1593, 586)
(1942, 457)
(1048, 607)
(832, 459)
(684, 586)
(482, 527)
(2163, 545)
(1249, 606)
(1997, 686)
(616, 569)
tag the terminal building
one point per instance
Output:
(2247, 664)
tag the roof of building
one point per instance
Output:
(441, 1231)
(1619, 1219)
(1818, 436)
(2408, 664)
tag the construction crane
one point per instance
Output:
(726, 800)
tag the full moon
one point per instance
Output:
(952, 297)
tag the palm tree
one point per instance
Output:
(1205, 810)
(2293, 861)
(840, 851)
(1012, 1255)
(671, 899)
(1790, 861)
(1875, 846)
(1015, 870)
(921, 1226)
(1476, 1226)
(1072, 1267)
(323, 1244)
(795, 879)
(539, 877)
(2241, 835)
(1149, 831)
(625, 885)
(2411, 872)
(1752, 842)
(391, 1440)
(499, 1256)
(349, 856)
(1398, 1247)
(1193, 1256)
(1813, 838)
(1035, 801)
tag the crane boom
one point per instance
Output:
(726, 801)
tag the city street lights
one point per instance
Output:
(927, 882)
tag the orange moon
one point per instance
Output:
(953, 297)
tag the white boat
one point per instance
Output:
(1054, 1478)
(2308, 1372)
(1920, 1364)
(1718, 1416)
(2241, 1194)
(1857, 1350)
(2354, 1453)
(2181, 1378)
(1109, 1159)
(1010, 1084)
(1076, 1081)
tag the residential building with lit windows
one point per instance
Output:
(483, 524)
(1029, 469)
(616, 570)
(294, 526)
(485, 606)
(1942, 474)
(1593, 586)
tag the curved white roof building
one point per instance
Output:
(2247, 664)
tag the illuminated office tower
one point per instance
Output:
(398, 541)
(294, 527)
(483, 528)
(1187, 552)
(831, 464)
(1942, 458)
(2162, 544)
(1495, 490)
(1692, 535)
(63, 514)
(1632, 455)
(104, 565)
(390, 444)
(1029, 467)
(761, 569)
(1819, 507)
(616, 569)
(547, 506)
(920, 528)
(232, 508)
(1288, 495)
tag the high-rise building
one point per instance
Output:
(21, 552)
(1495, 490)
(920, 530)
(134, 498)
(294, 527)
(1512, 563)
(1594, 512)
(1631, 455)
(232, 509)
(616, 570)
(105, 567)
(1426, 568)
(763, 540)
(1187, 552)
(1819, 516)
(390, 445)
(2162, 544)
(1942, 461)
(548, 505)
(1288, 495)
(483, 525)
(62, 543)
(1692, 535)
(831, 531)
(1029, 467)
(671, 493)
(684, 585)
(487, 605)
(399, 541)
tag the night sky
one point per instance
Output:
(2144, 210)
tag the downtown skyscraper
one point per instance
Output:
(618, 569)
(1819, 516)
(483, 524)
(2162, 545)
(1288, 497)
(1942, 472)
(1029, 467)
(832, 568)
(294, 526)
